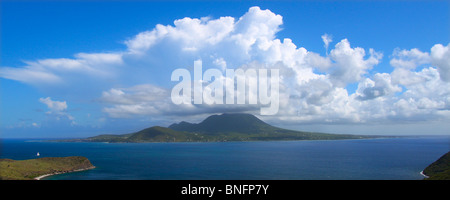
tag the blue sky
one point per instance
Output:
(76, 69)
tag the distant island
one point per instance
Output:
(439, 169)
(217, 128)
(41, 167)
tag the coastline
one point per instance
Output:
(421, 173)
(78, 170)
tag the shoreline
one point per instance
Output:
(144, 142)
(421, 173)
(77, 170)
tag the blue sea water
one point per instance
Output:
(367, 159)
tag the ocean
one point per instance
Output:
(364, 159)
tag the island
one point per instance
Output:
(35, 169)
(439, 169)
(217, 128)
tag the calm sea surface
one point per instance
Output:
(388, 158)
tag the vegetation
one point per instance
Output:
(30, 169)
(218, 128)
(439, 169)
(218, 124)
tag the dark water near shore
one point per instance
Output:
(368, 159)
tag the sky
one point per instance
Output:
(73, 69)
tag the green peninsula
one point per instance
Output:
(218, 128)
(439, 169)
(41, 167)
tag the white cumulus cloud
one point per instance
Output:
(136, 82)
(55, 106)
(57, 109)
(440, 57)
(327, 39)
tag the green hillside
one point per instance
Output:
(439, 169)
(218, 128)
(30, 169)
(161, 134)
(247, 127)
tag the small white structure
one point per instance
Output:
(38, 154)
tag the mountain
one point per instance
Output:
(216, 124)
(215, 128)
(439, 169)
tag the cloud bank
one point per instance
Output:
(136, 81)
